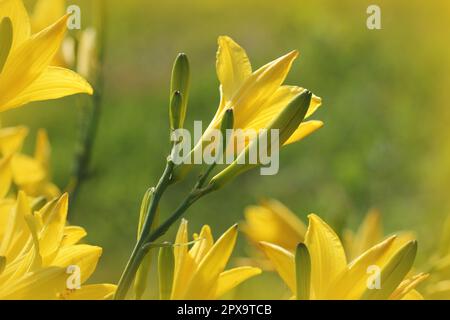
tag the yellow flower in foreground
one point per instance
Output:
(319, 269)
(39, 254)
(25, 71)
(257, 98)
(199, 272)
(275, 223)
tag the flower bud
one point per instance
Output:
(180, 82)
(286, 123)
(166, 267)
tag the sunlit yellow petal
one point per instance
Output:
(44, 284)
(305, 129)
(283, 262)
(28, 61)
(233, 66)
(11, 139)
(352, 283)
(233, 277)
(407, 286)
(26, 170)
(53, 83)
(53, 231)
(204, 243)
(5, 177)
(90, 292)
(15, 10)
(46, 12)
(83, 256)
(72, 235)
(413, 295)
(328, 259)
(202, 283)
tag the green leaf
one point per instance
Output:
(303, 272)
(166, 268)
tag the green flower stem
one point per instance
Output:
(147, 237)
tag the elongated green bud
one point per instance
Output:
(303, 272)
(142, 275)
(181, 78)
(175, 111)
(287, 121)
(227, 124)
(166, 268)
(6, 38)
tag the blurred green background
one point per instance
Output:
(385, 92)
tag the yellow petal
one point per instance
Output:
(26, 170)
(72, 235)
(233, 67)
(204, 243)
(52, 234)
(407, 286)
(265, 114)
(284, 263)
(53, 83)
(327, 255)
(28, 62)
(83, 256)
(90, 292)
(413, 295)
(274, 223)
(394, 272)
(260, 87)
(5, 177)
(46, 12)
(15, 10)
(232, 278)
(184, 264)
(16, 231)
(11, 139)
(304, 130)
(42, 150)
(6, 205)
(44, 284)
(352, 283)
(203, 283)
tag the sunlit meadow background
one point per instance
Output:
(385, 92)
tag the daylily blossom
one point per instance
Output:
(326, 274)
(26, 73)
(257, 98)
(37, 250)
(273, 222)
(199, 272)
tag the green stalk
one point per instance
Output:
(147, 237)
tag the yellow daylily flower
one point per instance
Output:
(26, 73)
(39, 254)
(257, 98)
(199, 272)
(275, 223)
(327, 274)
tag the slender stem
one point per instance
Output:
(142, 247)
(91, 115)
